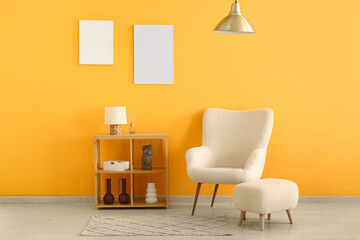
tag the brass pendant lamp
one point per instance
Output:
(235, 22)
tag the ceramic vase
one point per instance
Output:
(151, 196)
(108, 198)
(124, 198)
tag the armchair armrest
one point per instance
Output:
(198, 157)
(255, 164)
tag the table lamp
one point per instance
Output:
(115, 116)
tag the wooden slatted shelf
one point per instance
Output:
(142, 203)
(107, 171)
(137, 204)
(132, 136)
(154, 170)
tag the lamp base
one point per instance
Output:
(115, 129)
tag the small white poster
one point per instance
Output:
(96, 42)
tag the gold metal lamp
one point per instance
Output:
(235, 22)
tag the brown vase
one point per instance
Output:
(124, 198)
(108, 198)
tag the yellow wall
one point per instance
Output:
(303, 63)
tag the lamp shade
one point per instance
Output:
(115, 115)
(235, 22)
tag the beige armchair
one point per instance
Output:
(233, 150)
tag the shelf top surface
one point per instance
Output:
(135, 170)
(132, 136)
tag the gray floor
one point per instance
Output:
(313, 220)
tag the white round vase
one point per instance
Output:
(151, 196)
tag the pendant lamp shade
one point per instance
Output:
(235, 22)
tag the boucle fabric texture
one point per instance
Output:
(163, 225)
(234, 146)
(266, 195)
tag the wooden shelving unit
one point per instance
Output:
(134, 203)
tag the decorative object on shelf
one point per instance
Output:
(124, 198)
(108, 198)
(146, 157)
(132, 126)
(116, 166)
(151, 196)
(115, 116)
(153, 54)
(96, 42)
(235, 22)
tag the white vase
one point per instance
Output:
(151, 196)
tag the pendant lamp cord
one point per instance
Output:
(235, 1)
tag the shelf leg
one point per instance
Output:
(131, 163)
(167, 171)
(132, 194)
(97, 176)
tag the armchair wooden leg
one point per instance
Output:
(215, 191)
(242, 215)
(196, 198)
(269, 216)
(288, 211)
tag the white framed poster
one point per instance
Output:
(96, 42)
(153, 54)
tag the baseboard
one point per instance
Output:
(176, 199)
(45, 199)
(172, 199)
(53, 199)
(185, 199)
(329, 199)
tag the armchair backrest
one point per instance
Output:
(233, 135)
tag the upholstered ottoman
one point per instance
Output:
(266, 196)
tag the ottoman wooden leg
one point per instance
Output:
(242, 216)
(269, 216)
(288, 211)
(262, 222)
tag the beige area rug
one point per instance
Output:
(163, 225)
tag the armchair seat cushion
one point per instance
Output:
(218, 175)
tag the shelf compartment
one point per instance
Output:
(137, 204)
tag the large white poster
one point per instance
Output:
(153, 54)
